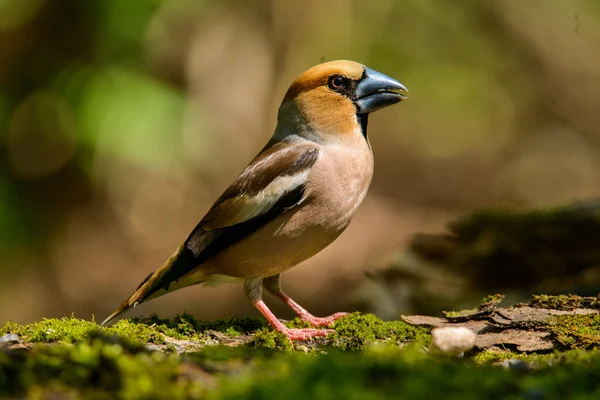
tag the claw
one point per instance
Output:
(322, 321)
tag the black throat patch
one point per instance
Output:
(363, 120)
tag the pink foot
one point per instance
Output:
(322, 321)
(298, 334)
(305, 334)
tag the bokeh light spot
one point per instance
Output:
(131, 117)
(15, 13)
(457, 110)
(41, 136)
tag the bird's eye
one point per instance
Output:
(336, 82)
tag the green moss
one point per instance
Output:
(406, 374)
(185, 326)
(298, 323)
(565, 302)
(120, 371)
(556, 358)
(566, 358)
(65, 329)
(72, 330)
(576, 331)
(228, 353)
(351, 332)
(356, 331)
(491, 300)
(137, 332)
(494, 356)
(102, 368)
(391, 361)
(269, 339)
(141, 330)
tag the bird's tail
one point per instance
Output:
(164, 280)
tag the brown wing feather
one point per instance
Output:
(239, 202)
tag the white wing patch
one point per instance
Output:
(264, 200)
(240, 208)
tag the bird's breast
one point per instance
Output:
(338, 184)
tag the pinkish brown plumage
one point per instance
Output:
(295, 198)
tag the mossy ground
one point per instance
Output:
(140, 330)
(572, 331)
(365, 358)
(577, 331)
(382, 372)
(117, 359)
(566, 302)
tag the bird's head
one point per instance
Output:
(335, 98)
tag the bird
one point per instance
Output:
(292, 200)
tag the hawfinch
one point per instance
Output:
(295, 198)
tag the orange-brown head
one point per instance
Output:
(335, 98)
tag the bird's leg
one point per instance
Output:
(253, 290)
(272, 285)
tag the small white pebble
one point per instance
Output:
(452, 340)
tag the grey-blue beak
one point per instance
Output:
(376, 91)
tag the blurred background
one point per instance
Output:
(122, 121)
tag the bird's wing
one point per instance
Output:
(272, 184)
(279, 170)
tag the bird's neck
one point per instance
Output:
(292, 122)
